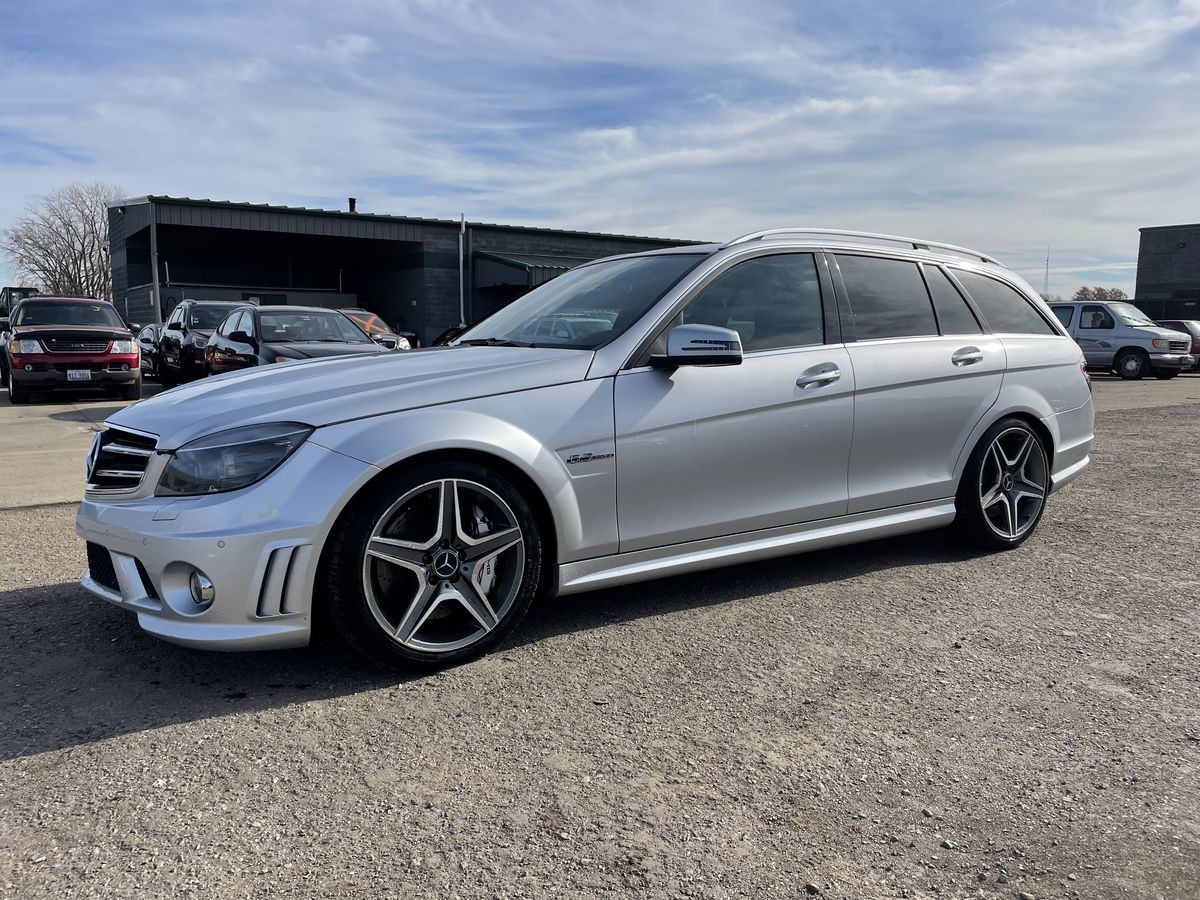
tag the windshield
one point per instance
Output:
(369, 322)
(309, 327)
(1129, 314)
(206, 318)
(586, 307)
(31, 312)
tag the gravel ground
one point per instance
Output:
(892, 719)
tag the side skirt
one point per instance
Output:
(712, 553)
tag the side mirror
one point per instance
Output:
(240, 337)
(175, 326)
(134, 327)
(700, 345)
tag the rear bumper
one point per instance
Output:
(1073, 433)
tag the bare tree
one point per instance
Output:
(1100, 294)
(61, 242)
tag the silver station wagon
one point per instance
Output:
(637, 417)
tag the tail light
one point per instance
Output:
(1087, 379)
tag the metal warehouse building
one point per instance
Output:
(1168, 272)
(166, 249)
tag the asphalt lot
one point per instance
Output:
(894, 719)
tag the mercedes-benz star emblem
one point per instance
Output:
(445, 564)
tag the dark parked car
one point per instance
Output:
(147, 340)
(67, 342)
(1190, 327)
(260, 335)
(380, 331)
(184, 336)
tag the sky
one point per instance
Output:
(1008, 126)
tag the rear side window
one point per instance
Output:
(887, 297)
(953, 314)
(1063, 314)
(1006, 310)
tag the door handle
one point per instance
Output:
(819, 376)
(967, 356)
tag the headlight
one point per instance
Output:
(26, 346)
(403, 344)
(231, 459)
(124, 347)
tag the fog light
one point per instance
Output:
(202, 589)
(28, 367)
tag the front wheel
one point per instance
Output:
(17, 392)
(1132, 365)
(434, 566)
(1165, 374)
(1003, 490)
(132, 391)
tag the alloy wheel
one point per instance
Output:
(443, 565)
(1013, 482)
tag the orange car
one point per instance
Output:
(378, 330)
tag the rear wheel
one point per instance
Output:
(1165, 374)
(1132, 364)
(1003, 490)
(435, 567)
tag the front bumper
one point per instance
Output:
(259, 546)
(1172, 361)
(48, 371)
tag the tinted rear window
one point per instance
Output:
(954, 316)
(1006, 310)
(887, 297)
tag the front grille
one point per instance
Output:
(100, 567)
(120, 460)
(1180, 346)
(74, 345)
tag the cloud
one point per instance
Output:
(1008, 128)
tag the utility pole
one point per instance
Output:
(1046, 279)
(462, 293)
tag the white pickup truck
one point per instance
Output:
(1121, 338)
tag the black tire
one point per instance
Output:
(972, 525)
(132, 391)
(17, 392)
(1165, 374)
(3, 376)
(341, 604)
(166, 377)
(1132, 364)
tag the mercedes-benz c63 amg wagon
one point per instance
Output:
(638, 416)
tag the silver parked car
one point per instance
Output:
(788, 391)
(1120, 337)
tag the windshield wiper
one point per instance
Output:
(493, 342)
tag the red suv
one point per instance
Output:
(68, 342)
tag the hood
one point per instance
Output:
(84, 332)
(315, 351)
(323, 391)
(1169, 333)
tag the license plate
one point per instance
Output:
(79, 374)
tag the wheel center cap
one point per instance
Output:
(445, 563)
(1007, 482)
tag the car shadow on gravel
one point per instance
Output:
(616, 606)
(74, 670)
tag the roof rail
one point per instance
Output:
(912, 243)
